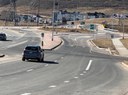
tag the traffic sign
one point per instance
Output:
(92, 26)
(82, 23)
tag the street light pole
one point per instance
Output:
(123, 30)
(38, 12)
(53, 18)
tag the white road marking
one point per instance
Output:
(81, 74)
(55, 61)
(62, 57)
(13, 45)
(7, 59)
(26, 94)
(46, 65)
(29, 70)
(84, 72)
(52, 86)
(76, 77)
(66, 81)
(71, 45)
(89, 65)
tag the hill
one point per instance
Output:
(81, 5)
(70, 3)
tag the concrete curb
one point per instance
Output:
(93, 43)
(125, 65)
(55, 46)
(105, 49)
(2, 55)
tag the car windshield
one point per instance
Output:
(2, 34)
(31, 48)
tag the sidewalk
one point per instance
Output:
(48, 44)
(120, 47)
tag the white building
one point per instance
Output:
(62, 16)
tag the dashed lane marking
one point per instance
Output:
(29, 70)
(52, 86)
(46, 65)
(55, 61)
(84, 72)
(26, 94)
(81, 74)
(89, 65)
(66, 81)
(62, 57)
(76, 77)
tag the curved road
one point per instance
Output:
(69, 70)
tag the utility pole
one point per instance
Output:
(55, 5)
(38, 12)
(14, 10)
(123, 26)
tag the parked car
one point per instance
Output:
(3, 37)
(33, 52)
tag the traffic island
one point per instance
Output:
(48, 43)
(107, 44)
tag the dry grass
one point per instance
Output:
(120, 28)
(126, 62)
(110, 21)
(65, 30)
(105, 43)
(2, 23)
(125, 42)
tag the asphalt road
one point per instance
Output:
(71, 69)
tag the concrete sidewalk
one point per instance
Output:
(120, 47)
(48, 44)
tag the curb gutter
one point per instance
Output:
(124, 64)
(2, 55)
(55, 46)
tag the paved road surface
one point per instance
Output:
(68, 70)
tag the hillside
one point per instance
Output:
(25, 6)
(70, 3)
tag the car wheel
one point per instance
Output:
(42, 60)
(23, 59)
(39, 60)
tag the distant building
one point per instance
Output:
(119, 15)
(31, 18)
(96, 15)
(64, 16)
